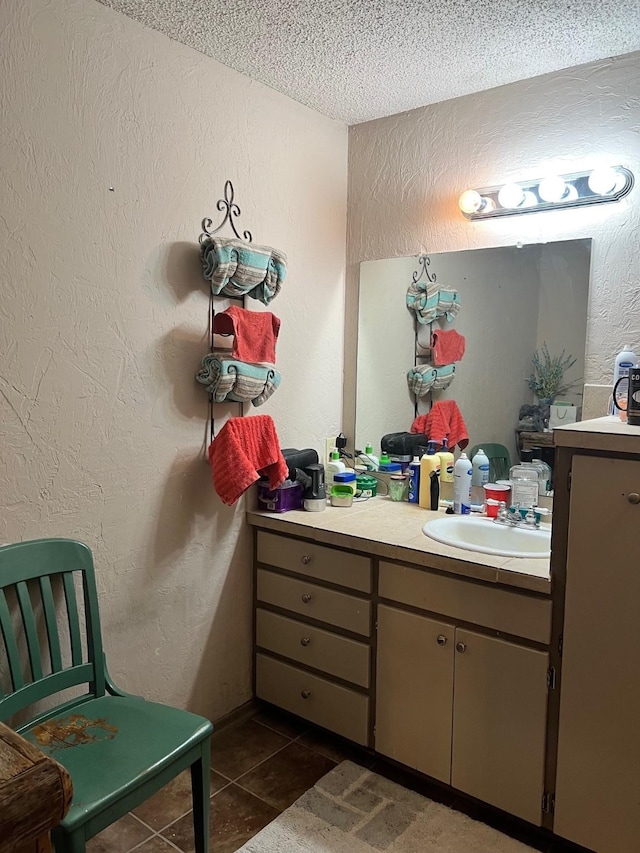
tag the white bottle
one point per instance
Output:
(625, 360)
(370, 461)
(334, 466)
(462, 473)
(480, 476)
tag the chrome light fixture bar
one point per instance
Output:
(553, 192)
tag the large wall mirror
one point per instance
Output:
(513, 300)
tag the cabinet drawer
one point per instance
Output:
(335, 708)
(326, 605)
(315, 561)
(520, 615)
(320, 649)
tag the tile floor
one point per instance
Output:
(259, 767)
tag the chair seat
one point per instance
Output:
(109, 745)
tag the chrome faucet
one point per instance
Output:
(513, 517)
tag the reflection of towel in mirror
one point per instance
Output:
(244, 449)
(236, 268)
(421, 378)
(229, 379)
(254, 333)
(447, 346)
(430, 302)
(443, 421)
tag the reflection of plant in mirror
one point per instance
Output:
(548, 370)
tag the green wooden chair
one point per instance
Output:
(499, 460)
(119, 749)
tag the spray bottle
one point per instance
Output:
(625, 360)
(462, 474)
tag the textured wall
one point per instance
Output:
(103, 320)
(407, 171)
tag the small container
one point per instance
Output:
(366, 486)
(345, 478)
(492, 507)
(341, 495)
(286, 497)
(391, 467)
(403, 461)
(397, 487)
(497, 492)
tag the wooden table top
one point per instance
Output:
(35, 792)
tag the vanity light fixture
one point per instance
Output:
(552, 192)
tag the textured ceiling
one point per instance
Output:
(356, 60)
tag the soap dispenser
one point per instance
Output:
(447, 461)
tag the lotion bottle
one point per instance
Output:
(429, 463)
(447, 461)
(625, 360)
(462, 474)
(371, 462)
(334, 466)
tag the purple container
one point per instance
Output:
(285, 497)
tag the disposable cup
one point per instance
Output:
(497, 492)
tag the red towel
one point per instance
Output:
(244, 449)
(254, 333)
(447, 346)
(443, 421)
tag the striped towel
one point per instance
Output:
(430, 302)
(236, 268)
(423, 377)
(229, 379)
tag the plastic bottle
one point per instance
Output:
(370, 461)
(545, 470)
(462, 474)
(525, 484)
(414, 480)
(334, 466)
(625, 360)
(447, 461)
(480, 476)
(430, 462)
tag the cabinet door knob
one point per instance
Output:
(634, 498)
(305, 641)
(442, 640)
(461, 647)
(305, 559)
(306, 598)
(305, 694)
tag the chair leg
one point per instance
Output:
(68, 842)
(200, 788)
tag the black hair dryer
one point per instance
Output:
(633, 395)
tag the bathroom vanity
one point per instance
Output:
(474, 669)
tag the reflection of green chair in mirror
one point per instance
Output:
(118, 749)
(499, 460)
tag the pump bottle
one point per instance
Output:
(430, 463)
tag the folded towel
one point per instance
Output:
(447, 346)
(254, 333)
(423, 377)
(443, 421)
(229, 379)
(430, 302)
(236, 268)
(244, 450)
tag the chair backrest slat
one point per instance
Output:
(43, 560)
(74, 619)
(30, 630)
(10, 644)
(51, 623)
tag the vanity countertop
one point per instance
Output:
(608, 434)
(393, 530)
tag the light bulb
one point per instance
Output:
(552, 188)
(510, 196)
(470, 201)
(529, 199)
(571, 193)
(604, 181)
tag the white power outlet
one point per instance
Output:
(329, 445)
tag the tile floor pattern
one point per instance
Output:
(258, 769)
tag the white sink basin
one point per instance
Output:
(486, 537)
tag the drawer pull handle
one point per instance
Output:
(461, 647)
(305, 694)
(634, 498)
(306, 598)
(305, 560)
(442, 640)
(305, 641)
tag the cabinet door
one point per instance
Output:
(414, 691)
(499, 723)
(598, 777)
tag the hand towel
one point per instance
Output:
(243, 450)
(236, 268)
(429, 301)
(443, 421)
(230, 379)
(423, 377)
(447, 346)
(254, 333)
